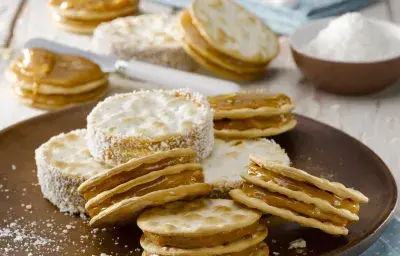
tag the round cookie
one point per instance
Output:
(63, 163)
(48, 80)
(233, 30)
(83, 16)
(136, 124)
(153, 38)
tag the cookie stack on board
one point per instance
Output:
(48, 80)
(153, 38)
(202, 227)
(225, 38)
(83, 16)
(247, 115)
(295, 195)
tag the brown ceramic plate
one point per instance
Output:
(41, 229)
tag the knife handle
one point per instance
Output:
(175, 79)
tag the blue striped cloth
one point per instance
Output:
(284, 20)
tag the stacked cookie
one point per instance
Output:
(49, 80)
(246, 115)
(153, 38)
(63, 163)
(135, 124)
(295, 195)
(227, 39)
(117, 195)
(202, 227)
(83, 16)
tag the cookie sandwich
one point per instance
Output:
(228, 40)
(83, 16)
(153, 38)
(229, 159)
(122, 203)
(48, 80)
(252, 114)
(202, 227)
(133, 169)
(295, 195)
(140, 123)
(63, 164)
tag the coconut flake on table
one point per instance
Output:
(354, 38)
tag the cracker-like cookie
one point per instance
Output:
(153, 38)
(300, 175)
(301, 196)
(133, 169)
(193, 38)
(234, 247)
(84, 16)
(63, 163)
(255, 133)
(247, 104)
(233, 30)
(136, 124)
(229, 159)
(121, 203)
(239, 196)
(224, 73)
(201, 217)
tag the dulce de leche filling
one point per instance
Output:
(293, 205)
(90, 5)
(258, 122)
(124, 176)
(311, 190)
(164, 182)
(203, 241)
(248, 100)
(41, 66)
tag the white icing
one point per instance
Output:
(230, 158)
(69, 154)
(148, 114)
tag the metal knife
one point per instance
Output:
(167, 77)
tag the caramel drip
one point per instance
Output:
(124, 176)
(258, 122)
(309, 189)
(248, 100)
(162, 183)
(202, 241)
(92, 5)
(293, 205)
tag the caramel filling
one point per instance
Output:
(41, 66)
(258, 122)
(122, 177)
(193, 36)
(164, 182)
(204, 241)
(334, 200)
(90, 5)
(293, 205)
(248, 100)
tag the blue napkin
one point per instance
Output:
(389, 243)
(284, 20)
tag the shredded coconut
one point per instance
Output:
(355, 38)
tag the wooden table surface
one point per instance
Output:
(374, 120)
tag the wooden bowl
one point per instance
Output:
(350, 78)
